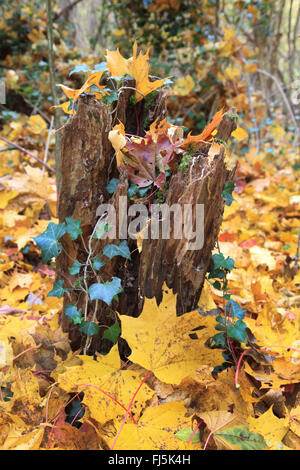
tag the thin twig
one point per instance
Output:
(48, 142)
(27, 152)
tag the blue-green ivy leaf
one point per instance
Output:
(227, 192)
(48, 241)
(220, 261)
(75, 268)
(218, 341)
(79, 68)
(89, 328)
(101, 67)
(238, 331)
(112, 333)
(73, 314)
(108, 99)
(58, 290)
(101, 228)
(105, 291)
(97, 263)
(112, 185)
(117, 250)
(235, 310)
(73, 228)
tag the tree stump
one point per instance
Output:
(87, 165)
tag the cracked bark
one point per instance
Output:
(87, 165)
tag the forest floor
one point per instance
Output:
(259, 231)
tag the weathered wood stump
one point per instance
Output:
(87, 165)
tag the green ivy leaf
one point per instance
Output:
(227, 192)
(117, 250)
(89, 328)
(238, 331)
(105, 291)
(235, 310)
(48, 241)
(75, 268)
(112, 333)
(73, 228)
(101, 228)
(97, 263)
(219, 261)
(185, 434)
(218, 341)
(112, 185)
(58, 290)
(108, 99)
(101, 67)
(79, 68)
(73, 314)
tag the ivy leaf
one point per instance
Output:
(185, 434)
(101, 228)
(89, 328)
(105, 291)
(101, 67)
(117, 250)
(73, 228)
(217, 341)
(227, 192)
(112, 333)
(75, 268)
(98, 263)
(235, 309)
(73, 314)
(108, 99)
(79, 68)
(221, 262)
(48, 241)
(58, 290)
(238, 331)
(112, 185)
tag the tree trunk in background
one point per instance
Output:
(87, 165)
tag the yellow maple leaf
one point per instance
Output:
(137, 67)
(36, 124)
(171, 355)
(273, 429)
(104, 374)
(118, 141)
(74, 94)
(6, 196)
(183, 86)
(17, 439)
(156, 429)
(239, 133)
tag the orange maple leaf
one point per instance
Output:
(137, 67)
(207, 132)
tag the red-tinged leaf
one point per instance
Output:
(226, 237)
(7, 310)
(44, 270)
(248, 243)
(144, 157)
(240, 185)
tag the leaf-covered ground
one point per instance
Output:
(166, 396)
